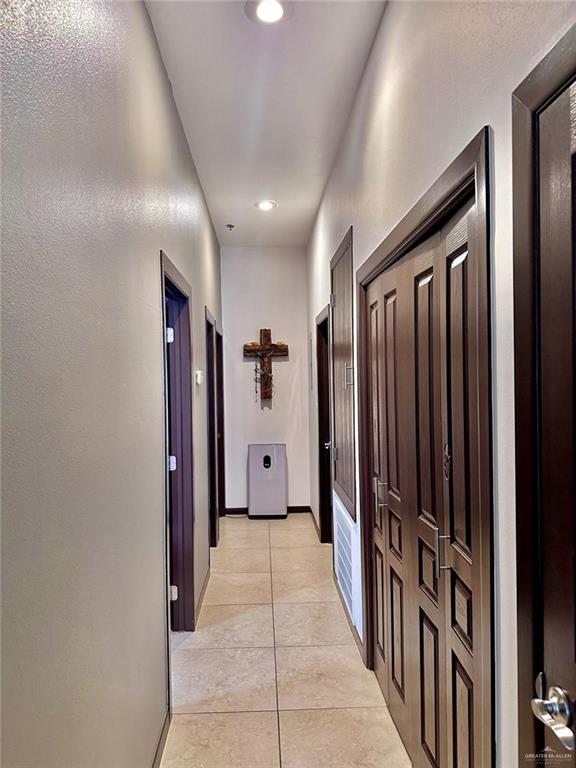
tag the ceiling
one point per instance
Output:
(264, 106)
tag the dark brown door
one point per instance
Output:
(343, 374)
(221, 443)
(544, 106)
(557, 219)
(324, 436)
(180, 488)
(431, 510)
(212, 426)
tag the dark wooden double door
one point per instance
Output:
(430, 514)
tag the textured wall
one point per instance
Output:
(438, 72)
(266, 288)
(97, 179)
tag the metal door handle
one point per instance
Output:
(346, 382)
(557, 713)
(377, 485)
(438, 537)
(327, 445)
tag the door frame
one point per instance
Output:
(467, 175)
(168, 272)
(551, 76)
(213, 392)
(324, 510)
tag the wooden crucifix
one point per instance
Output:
(265, 350)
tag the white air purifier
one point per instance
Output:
(267, 480)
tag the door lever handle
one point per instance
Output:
(556, 712)
(346, 382)
(438, 537)
(377, 484)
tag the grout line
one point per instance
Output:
(351, 644)
(275, 663)
(295, 709)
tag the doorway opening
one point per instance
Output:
(324, 425)
(215, 425)
(179, 464)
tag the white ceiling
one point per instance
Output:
(264, 106)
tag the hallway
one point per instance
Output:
(272, 676)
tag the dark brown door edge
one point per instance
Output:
(547, 81)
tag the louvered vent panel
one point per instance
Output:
(344, 555)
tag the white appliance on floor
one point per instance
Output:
(267, 480)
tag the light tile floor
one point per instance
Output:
(272, 677)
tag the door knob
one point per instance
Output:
(557, 713)
(327, 445)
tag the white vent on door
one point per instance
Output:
(343, 552)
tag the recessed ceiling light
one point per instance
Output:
(269, 11)
(266, 205)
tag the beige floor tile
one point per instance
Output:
(294, 537)
(311, 624)
(295, 520)
(238, 740)
(302, 558)
(237, 522)
(256, 560)
(232, 626)
(341, 738)
(178, 638)
(231, 680)
(244, 538)
(325, 677)
(238, 589)
(304, 587)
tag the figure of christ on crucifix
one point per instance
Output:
(265, 351)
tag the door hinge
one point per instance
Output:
(173, 593)
(332, 300)
(171, 463)
(169, 335)
(335, 453)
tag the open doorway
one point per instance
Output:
(324, 431)
(179, 468)
(215, 425)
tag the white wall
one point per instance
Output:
(438, 72)
(266, 288)
(97, 178)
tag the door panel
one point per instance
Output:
(389, 401)
(343, 375)
(426, 464)
(377, 409)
